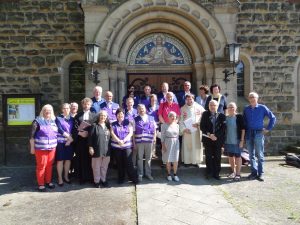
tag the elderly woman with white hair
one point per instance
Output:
(43, 142)
(234, 142)
(170, 144)
(98, 140)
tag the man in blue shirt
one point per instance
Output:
(97, 100)
(254, 115)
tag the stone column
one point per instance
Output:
(122, 89)
(209, 69)
(198, 75)
(113, 81)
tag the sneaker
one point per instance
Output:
(176, 178)
(140, 178)
(237, 178)
(50, 186)
(169, 178)
(260, 178)
(149, 177)
(232, 175)
(252, 176)
(42, 188)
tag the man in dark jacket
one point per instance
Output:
(213, 127)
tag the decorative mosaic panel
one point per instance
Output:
(159, 49)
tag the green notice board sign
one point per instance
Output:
(20, 111)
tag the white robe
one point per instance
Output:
(192, 149)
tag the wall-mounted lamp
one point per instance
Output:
(234, 55)
(92, 52)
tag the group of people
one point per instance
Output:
(104, 133)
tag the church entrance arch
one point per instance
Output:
(158, 58)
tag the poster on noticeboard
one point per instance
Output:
(20, 110)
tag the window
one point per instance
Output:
(76, 81)
(240, 79)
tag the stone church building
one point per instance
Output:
(42, 46)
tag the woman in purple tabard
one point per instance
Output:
(43, 142)
(64, 149)
(130, 112)
(121, 132)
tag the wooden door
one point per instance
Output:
(175, 81)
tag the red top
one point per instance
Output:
(165, 108)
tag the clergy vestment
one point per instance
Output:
(192, 149)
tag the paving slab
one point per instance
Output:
(193, 200)
(21, 203)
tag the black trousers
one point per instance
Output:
(213, 158)
(125, 164)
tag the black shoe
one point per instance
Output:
(105, 184)
(97, 185)
(121, 181)
(50, 186)
(67, 181)
(217, 177)
(62, 184)
(252, 176)
(260, 178)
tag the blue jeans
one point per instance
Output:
(255, 145)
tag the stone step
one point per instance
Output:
(156, 163)
(291, 149)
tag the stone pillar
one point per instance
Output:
(199, 78)
(122, 89)
(113, 85)
(209, 69)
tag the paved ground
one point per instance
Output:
(194, 200)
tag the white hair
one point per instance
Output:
(254, 94)
(98, 88)
(45, 107)
(172, 113)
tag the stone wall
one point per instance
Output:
(269, 32)
(34, 38)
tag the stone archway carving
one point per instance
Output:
(157, 10)
(159, 49)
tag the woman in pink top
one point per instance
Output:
(166, 107)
